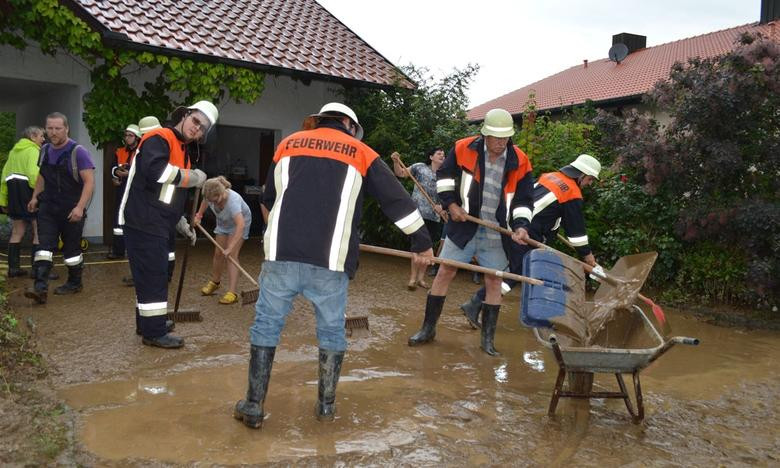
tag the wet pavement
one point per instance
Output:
(446, 403)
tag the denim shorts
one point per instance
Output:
(488, 251)
(281, 282)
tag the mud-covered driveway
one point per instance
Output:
(444, 403)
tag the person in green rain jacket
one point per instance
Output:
(16, 187)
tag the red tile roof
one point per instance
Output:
(603, 80)
(292, 36)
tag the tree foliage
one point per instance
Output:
(410, 121)
(715, 165)
(114, 101)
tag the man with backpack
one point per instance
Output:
(61, 196)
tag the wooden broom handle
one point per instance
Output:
(235, 262)
(397, 158)
(452, 263)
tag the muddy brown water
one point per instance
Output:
(446, 403)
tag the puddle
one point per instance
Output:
(446, 403)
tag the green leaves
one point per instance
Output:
(113, 102)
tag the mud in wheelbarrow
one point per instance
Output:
(625, 345)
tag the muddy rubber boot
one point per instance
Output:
(489, 321)
(169, 324)
(14, 269)
(52, 274)
(250, 409)
(73, 284)
(471, 310)
(166, 341)
(330, 369)
(39, 291)
(433, 306)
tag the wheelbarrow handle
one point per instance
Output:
(686, 340)
(452, 263)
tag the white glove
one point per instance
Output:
(196, 178)
(598, 273)
(183, 228)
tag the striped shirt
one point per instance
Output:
(491, 193)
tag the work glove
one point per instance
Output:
(183, 228)
(598, 273)
(191, 178)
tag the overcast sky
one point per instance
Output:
(519, 42)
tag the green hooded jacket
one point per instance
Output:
(23, 159)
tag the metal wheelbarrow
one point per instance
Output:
(624, 342)
(641, 344)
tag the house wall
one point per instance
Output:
(58, 83)
(53, 83)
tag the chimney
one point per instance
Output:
(585, 63)
(634, 42)
(770, 10)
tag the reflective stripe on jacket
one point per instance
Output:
(558, 201)
(463, 168)
(314, 192)
(152, 202)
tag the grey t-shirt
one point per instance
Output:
(234, 205)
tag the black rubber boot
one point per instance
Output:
(330, 370)
(73, 284)
(489, 321)
(170, 325)
(52, 274)
(39, 291)
(166, 341)
(14, 269)
(471, 310)
(433, 306)
(250, 409)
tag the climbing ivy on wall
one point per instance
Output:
(113, 102)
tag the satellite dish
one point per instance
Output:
(618, 52)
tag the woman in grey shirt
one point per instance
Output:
(233, 221)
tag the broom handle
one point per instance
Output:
(397, 158)
(539, 245)
(452, 263)
(235, 262)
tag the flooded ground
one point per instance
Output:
(446, 403)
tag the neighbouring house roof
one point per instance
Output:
(605, 81)
(297, 37)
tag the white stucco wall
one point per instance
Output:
(58, 83)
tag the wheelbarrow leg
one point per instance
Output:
(557, 391)
(640, 405)
(626, 398)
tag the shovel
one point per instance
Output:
(248, 296)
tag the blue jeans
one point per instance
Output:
(281, 282)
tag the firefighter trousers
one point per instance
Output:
(148, 258)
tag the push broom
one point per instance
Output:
(248, 296)
(186, 315)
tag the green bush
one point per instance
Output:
(713, 274)
(623, 220)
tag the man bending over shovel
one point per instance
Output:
(557, 201)
(314, 192)
(496, 184)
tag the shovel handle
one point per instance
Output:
(233, 260)
(452, 263)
